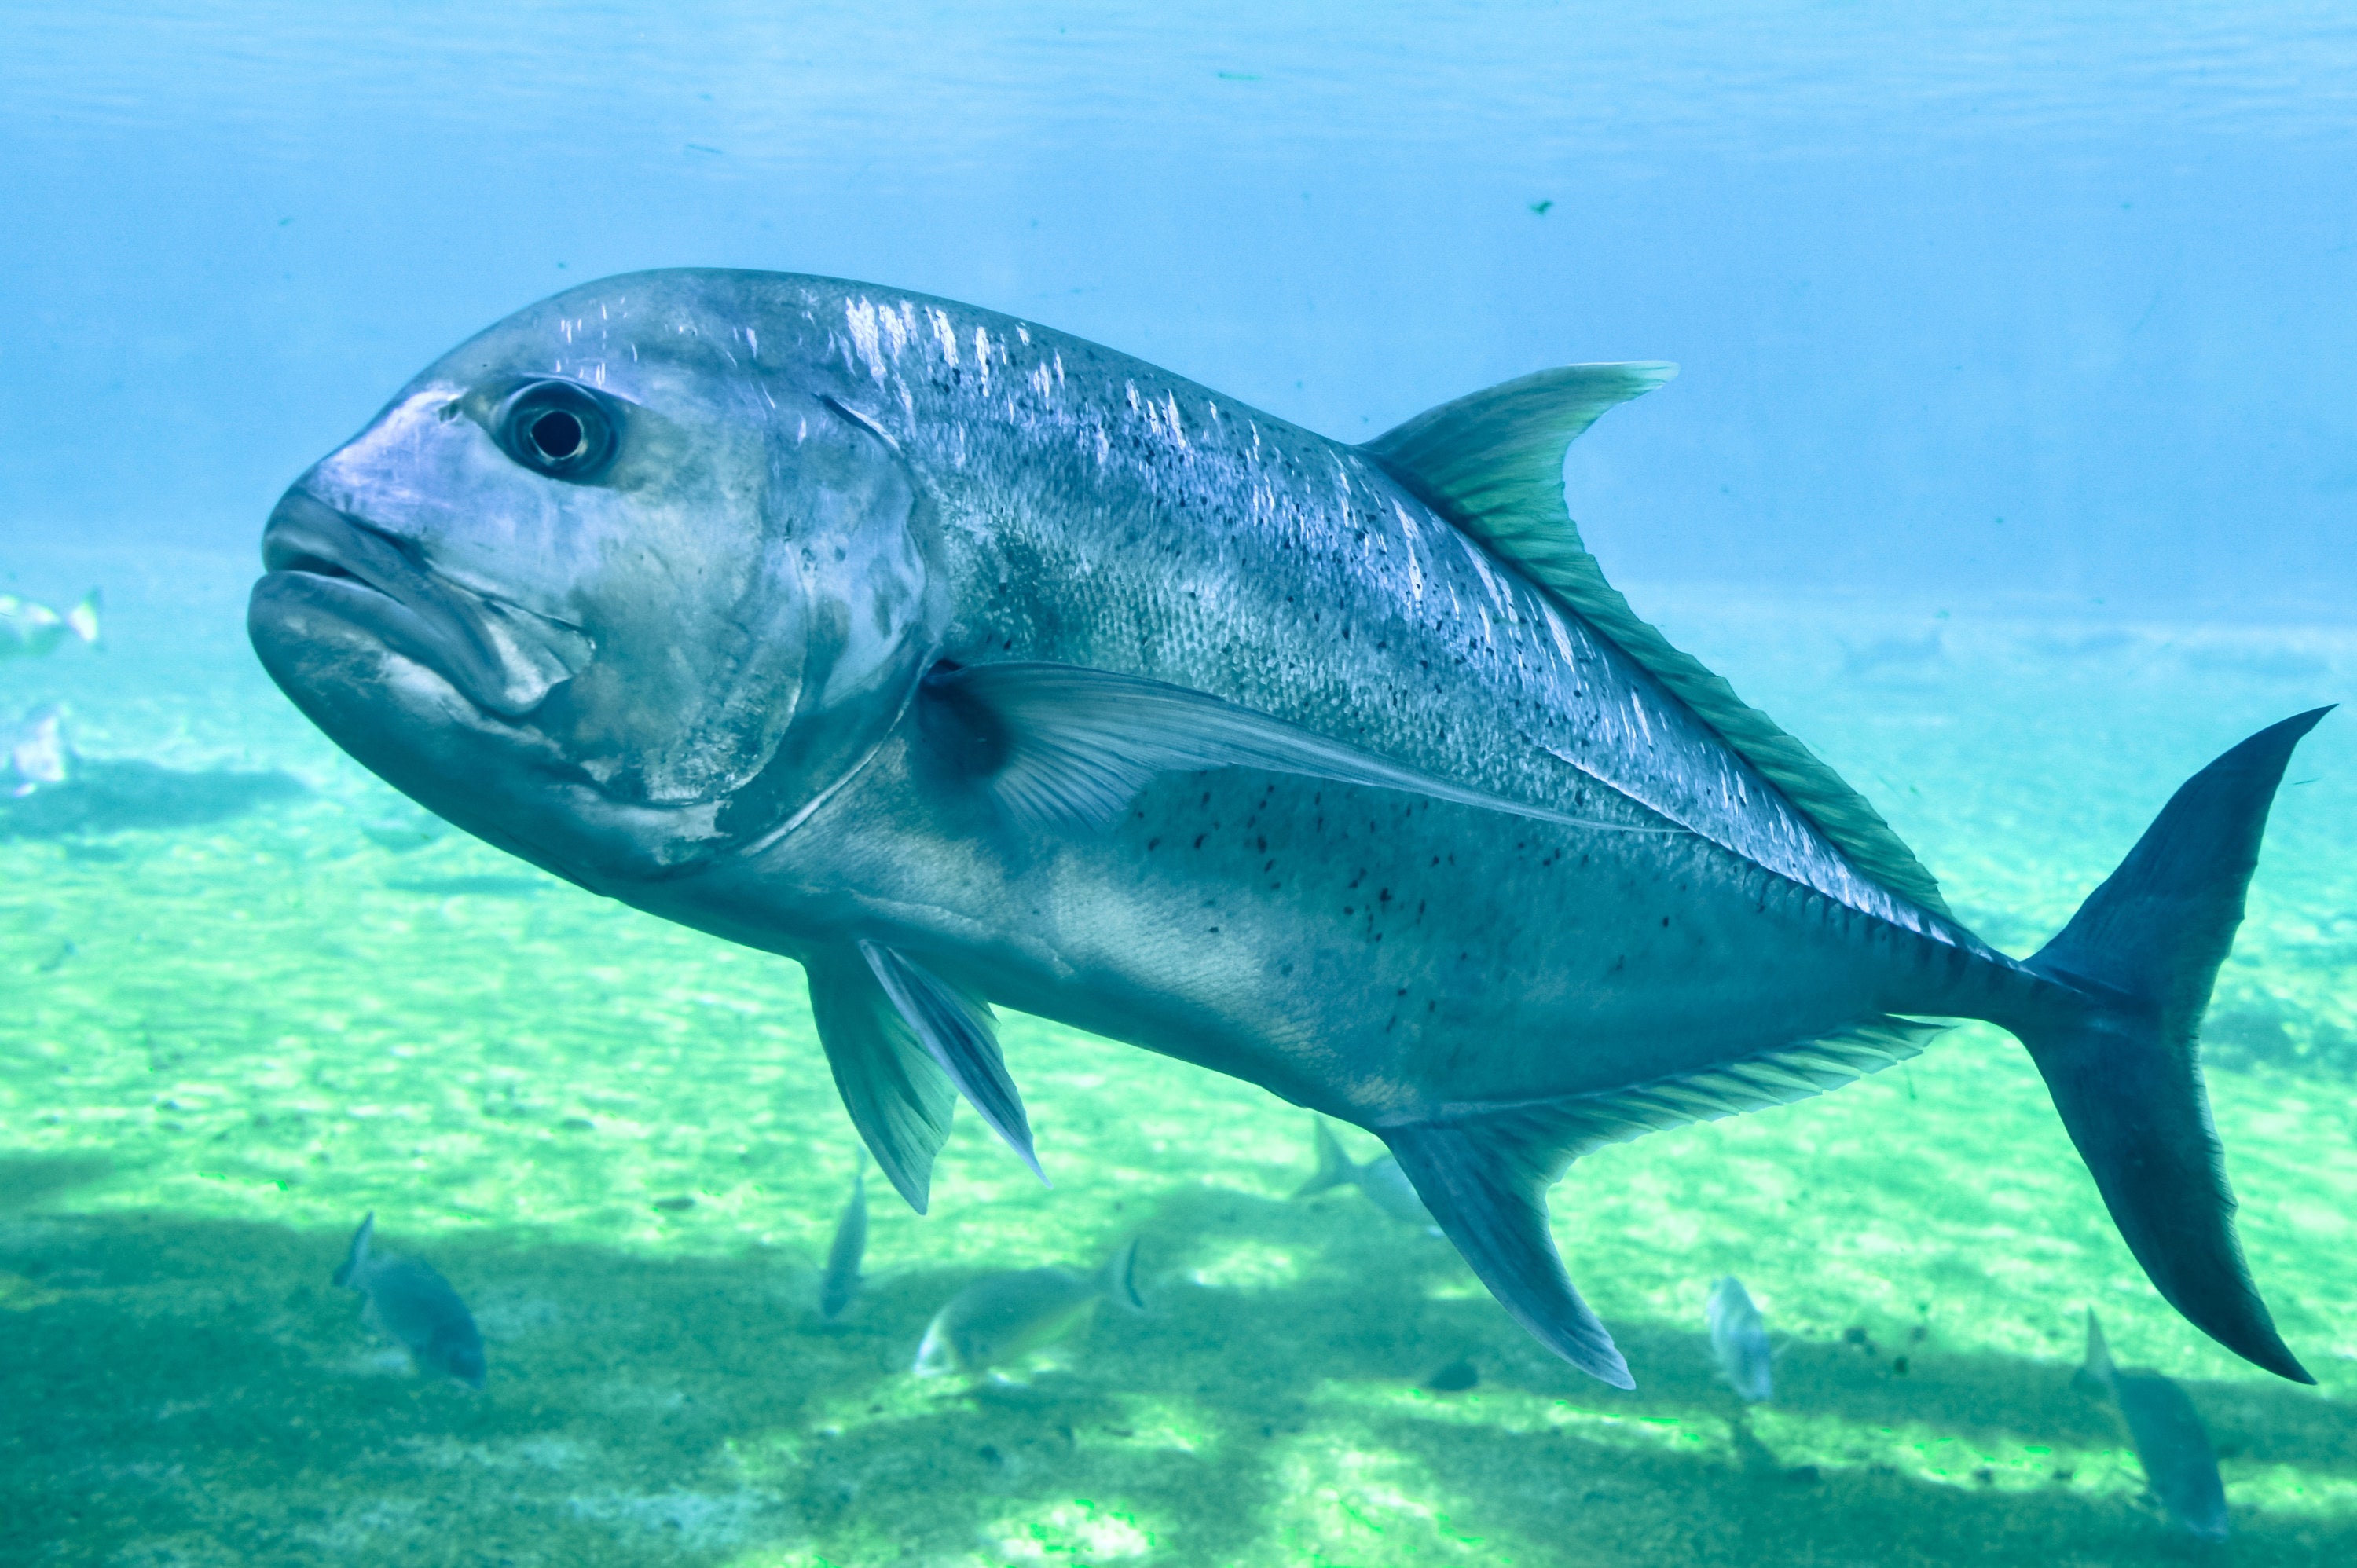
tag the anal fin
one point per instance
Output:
(960, 1034)
(1483, 1169)
(1489, 1199)
(898, 1097)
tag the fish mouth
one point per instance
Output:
(500, 656)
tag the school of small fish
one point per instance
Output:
(998, 1320)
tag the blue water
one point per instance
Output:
(2013, 463)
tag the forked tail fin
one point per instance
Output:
(1334, 1167)
(356, 1258)
(2094, 1375)
(2121, 1054)
(1119, 1280)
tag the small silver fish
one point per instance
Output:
(29, 631)
(409, 1301)
(839, 1285)
(1381, 1179)
(1739, 1337)
(2180, 1465)
(37, 754)
(401, 836)
(1001, 1316)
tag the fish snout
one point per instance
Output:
(504, 658)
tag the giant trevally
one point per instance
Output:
(969, 664)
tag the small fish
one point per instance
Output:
(1001, 1316)
(401, 836)
(2171, 1444)
(1894, 655)
(409, 1301)
(1381, 1179)
(37, 754)
(29, 631)
(1739, 1337)
(1455, 1378)
(840, 1284)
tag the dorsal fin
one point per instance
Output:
(1492, 464)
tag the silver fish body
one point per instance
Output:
(1739, 1340)
(37, 754)
(411, 1303)
(838, 1286)
(30, 630)
(969, 664)
(1381, 1179)
(2181, 1465)
(1001, 1318)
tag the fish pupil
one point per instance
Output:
(557, 434)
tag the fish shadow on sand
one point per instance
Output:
(127, 795)
(708, 1380)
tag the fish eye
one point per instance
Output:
(558, 428)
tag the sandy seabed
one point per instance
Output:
(246, 1005)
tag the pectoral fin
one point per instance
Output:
(1064, 746)
(897, 1096)
(959, 1034)
(1489, 1196)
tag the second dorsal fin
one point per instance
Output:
(1492, 464)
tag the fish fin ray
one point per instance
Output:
(896, 1095)
(2118, 1040)
(1489, 1199)
(1492, 463)
(960, 1035)
(1067, 745)
(1567, 1127)
(1583, 1124)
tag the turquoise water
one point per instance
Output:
(2013, 474)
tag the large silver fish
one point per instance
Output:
(966, 663)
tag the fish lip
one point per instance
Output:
(379, 583)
